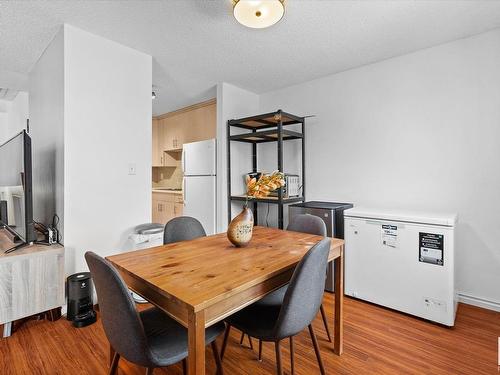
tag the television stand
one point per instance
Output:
(32, 282)
(17, 247)
(9, 234)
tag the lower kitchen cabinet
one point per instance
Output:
(166, 206)
(178, 208)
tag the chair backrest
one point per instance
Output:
(307, 224)
(304, 295)
(182, 228)
(121, 321)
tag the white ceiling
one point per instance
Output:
(196, 44)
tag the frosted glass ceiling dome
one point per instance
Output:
(258, 14)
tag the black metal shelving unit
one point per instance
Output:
(268, 127)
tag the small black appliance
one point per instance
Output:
(332, 213)
(79, 291)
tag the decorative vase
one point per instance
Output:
(240, 229)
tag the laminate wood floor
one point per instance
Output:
(376, 341)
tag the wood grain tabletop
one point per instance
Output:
(205, 271)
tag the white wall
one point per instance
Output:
(13, 115)
(19, 112)
(107, 128)
(14, 80)
(420, 131)
(4, 120)
(46, 90)
(232, 103)
(90, 120)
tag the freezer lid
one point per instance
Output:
(419, 217)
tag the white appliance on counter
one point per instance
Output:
(402, 260)
(199, 183)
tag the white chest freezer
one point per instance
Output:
(402, 260)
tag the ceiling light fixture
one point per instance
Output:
(258, 14)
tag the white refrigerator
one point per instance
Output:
(199, 183)
(402, 260)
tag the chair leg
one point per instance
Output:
(325, 322)
(242, 337)
(114, 363)
(184, 367)
(218, 361)
(250, 342)
(224, 342)
(316, 349)
(292, 361)
(279, 368)
(149, 370)
(260, 350)
(111, 354)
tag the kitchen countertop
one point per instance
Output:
(167, 191)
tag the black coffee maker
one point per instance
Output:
(79, 291)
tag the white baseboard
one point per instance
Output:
(479, 302)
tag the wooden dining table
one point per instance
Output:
(200, 282)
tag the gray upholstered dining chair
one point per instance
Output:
(305, 224)
(149, 338)
(182, 228)
(300, 305)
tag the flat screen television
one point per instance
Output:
(16, 197)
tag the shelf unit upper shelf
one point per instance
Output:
(268, 127)
(266, 121)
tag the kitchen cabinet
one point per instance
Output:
(157, 151)
(172, 130)
(166, 206)
(178, 209)
(202, 124)
(162, 142)
(163, 211)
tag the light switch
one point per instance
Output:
(131, 169)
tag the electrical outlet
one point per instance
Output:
(131, 169)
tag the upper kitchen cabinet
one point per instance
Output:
(202, 122)
(157, 154)
(173, 129)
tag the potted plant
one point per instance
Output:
(241, 227)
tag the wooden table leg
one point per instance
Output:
(196, 341)
(339, 303)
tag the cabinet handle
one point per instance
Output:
(175, 210)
